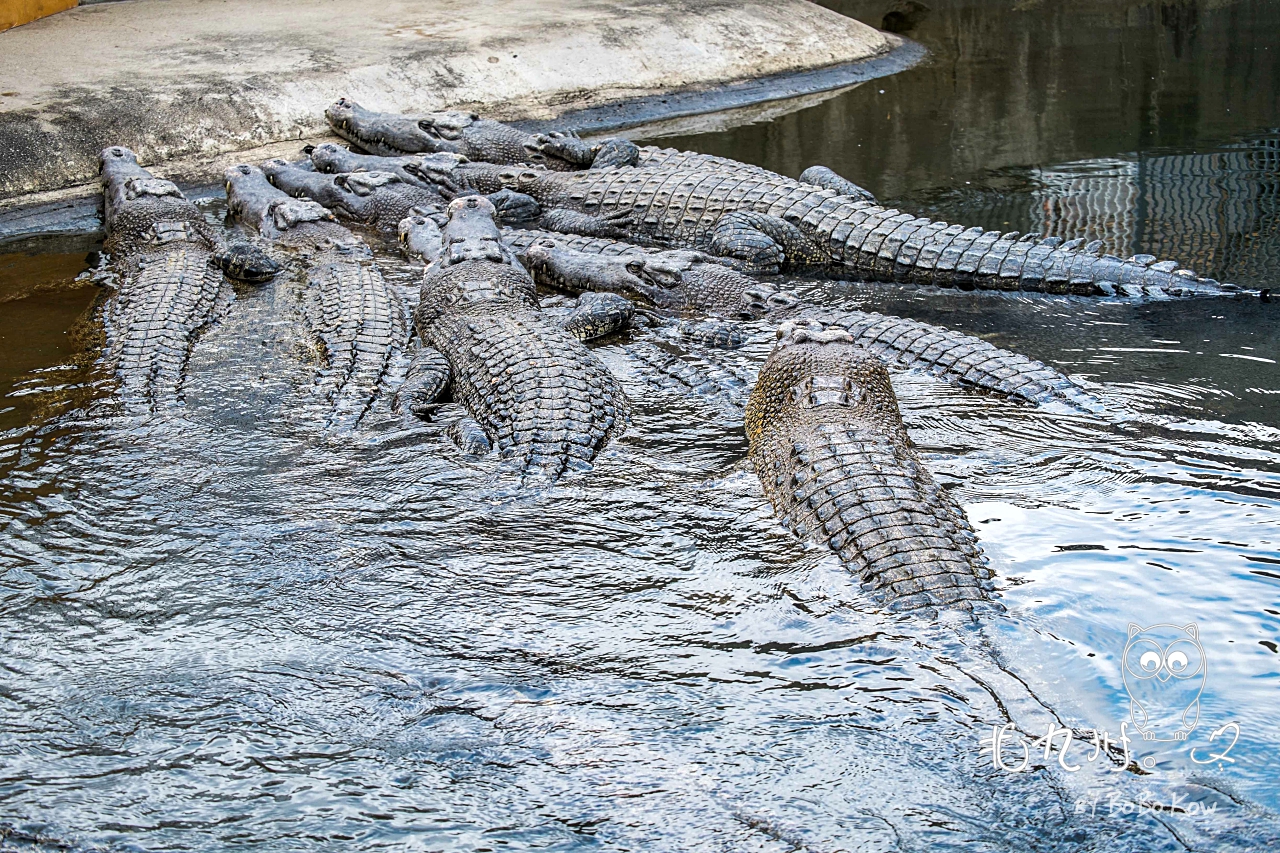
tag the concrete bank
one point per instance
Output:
(189, 84)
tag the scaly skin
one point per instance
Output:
(767, 221)
(374, 199)
(349, 307)
(168, 284)
(828, 444)
(956, 357)
(456, 132)
(539, 395)
(898, 342)
(410, 170)
(703, 288)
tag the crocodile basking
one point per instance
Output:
(471, 136)
(768, 222)
(538, 395)
(833, 456)
(356, 315)
(169, 284)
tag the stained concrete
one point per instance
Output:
(193, 81)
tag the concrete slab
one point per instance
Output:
(195, 80)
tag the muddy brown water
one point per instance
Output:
(221, 630)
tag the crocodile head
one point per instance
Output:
(254, 200)
(389, 135)
(819, 373)
(472, 234)
(419, 235)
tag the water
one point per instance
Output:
(221, 630)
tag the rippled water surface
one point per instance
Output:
(222, 630)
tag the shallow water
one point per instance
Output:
(220, 629)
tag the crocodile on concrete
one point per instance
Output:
(539, 396)
(494, 142)
(471, 136)
(767, 222)
(827, 441)
(356, 315)
(168, 271)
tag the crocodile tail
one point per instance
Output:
(161, 307)
(961, 359)
(878, 244)
(361, 322)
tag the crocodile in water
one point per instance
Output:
(537, 393)
(833, 456)
(358, 318)
(168, 272)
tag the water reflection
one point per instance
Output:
(1030, 83)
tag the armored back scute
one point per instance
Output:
(834, 459)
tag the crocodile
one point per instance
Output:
(767, 221)
(335, 160)
(168, 267)
(679, 283)
(538, 395)
(687, 284)
(374, 199)
(828, 443)
(348, 305)
(494, 142)
(473, 137)
(397, 185)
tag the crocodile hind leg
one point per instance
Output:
(469, 436)
(764, 243)
(613, 226)
(821, 176)
(425, 383)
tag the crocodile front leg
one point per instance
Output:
(425, 384)
(764, 243)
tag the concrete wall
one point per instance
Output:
(196, 80)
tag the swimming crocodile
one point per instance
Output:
(471, 136)
(827, 441)
(358, 318)
(537, 393)
(169, 283)
(767, 222)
